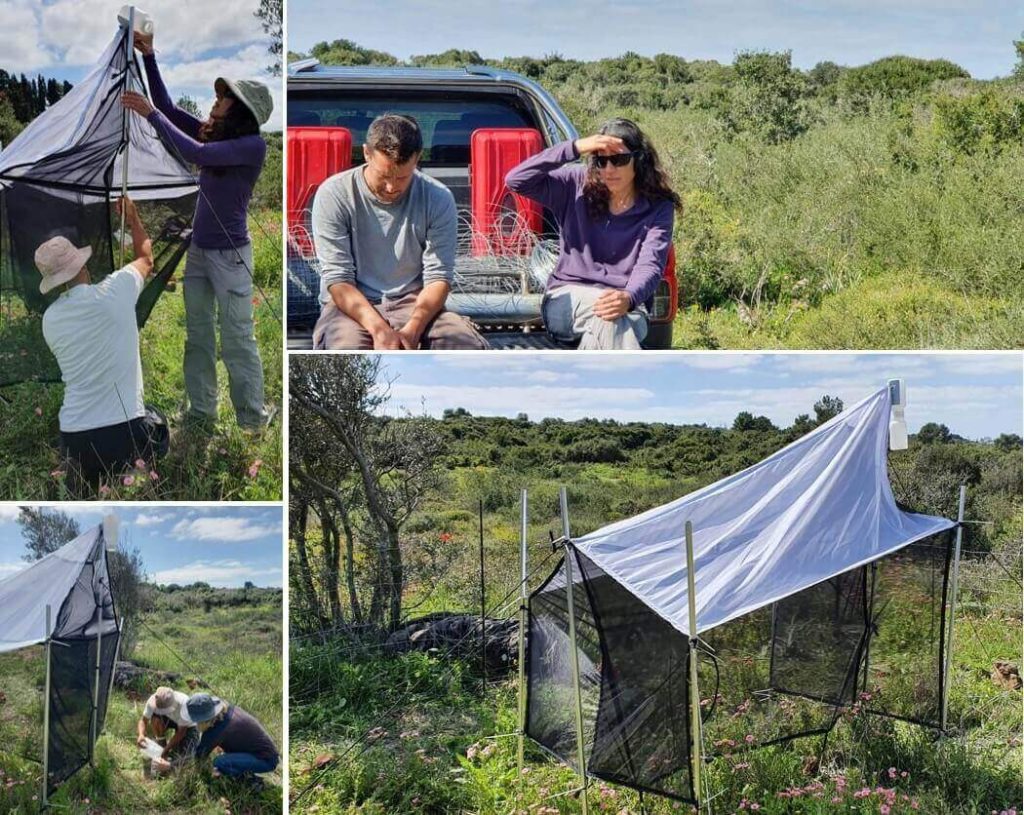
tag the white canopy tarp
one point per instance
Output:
(51, 581)
(75, 142)
(818, 507)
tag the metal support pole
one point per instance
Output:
(46, 714)
(574, 659)
(96, 693)
(952, 606)
(483, 609)
(522, 637)
(125, 123)
(113, 665)
(696, 741)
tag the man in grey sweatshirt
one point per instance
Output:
(385, 235)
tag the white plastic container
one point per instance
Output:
(151, 750)
(143, 22)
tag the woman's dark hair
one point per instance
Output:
(238, 122)
(651, 179)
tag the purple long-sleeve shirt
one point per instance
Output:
(626, 251)
(227, 169)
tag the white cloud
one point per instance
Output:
(218, 573)
(151, 519)
(184, 29)
(9, 512)
(7, 569)
(20, 37)
(223, 529)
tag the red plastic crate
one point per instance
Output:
(314, 154)
(504, 223)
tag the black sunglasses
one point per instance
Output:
(616, 160)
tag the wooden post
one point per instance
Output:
(952, 606)
(696, 742)
(574, 659)
(523, 622)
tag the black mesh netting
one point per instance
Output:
(73, 686)
(70, 191)
(872, 637)
(79, 682)
(31, 215)
(633, 676)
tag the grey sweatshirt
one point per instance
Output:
(386, 250)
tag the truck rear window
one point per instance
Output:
(446, 119)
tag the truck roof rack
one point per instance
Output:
(300, 65)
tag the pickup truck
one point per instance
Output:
(477, 123)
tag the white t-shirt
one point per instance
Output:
(91, 330)
(177, 712)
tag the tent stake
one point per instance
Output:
(46, 714)
(96, 694)
(696, 757)
(522, 640)
(952, 605)
(574, 659)
(125, 124)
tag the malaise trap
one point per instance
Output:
(63, 602)
(753, 611)
(62, 175)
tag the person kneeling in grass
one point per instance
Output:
(166, 710)
(91, 330)
(246, 747)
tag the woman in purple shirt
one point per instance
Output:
(229, 152)
(614, 216)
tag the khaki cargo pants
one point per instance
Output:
(218, 293)
(447, 331)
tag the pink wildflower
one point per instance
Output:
(128, 480)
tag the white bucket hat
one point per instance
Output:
(59, 261)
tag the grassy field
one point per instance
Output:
(225, 464)
(238, 651)
(415, 733)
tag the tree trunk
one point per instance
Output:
(350, 566)
(332, 552)
(396, 577)
(305, 575)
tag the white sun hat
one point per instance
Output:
(59, 261)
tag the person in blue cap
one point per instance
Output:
(246, 746)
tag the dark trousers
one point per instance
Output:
(104, 453)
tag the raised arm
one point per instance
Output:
(542, 176)
(247, 150)
(158, 91)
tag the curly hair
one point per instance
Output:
(651, 179)
(239, 121)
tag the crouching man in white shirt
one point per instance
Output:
(91, 330)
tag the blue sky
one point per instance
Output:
(975, 395)
(196, 42)
(976, 35)
(223, 546)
